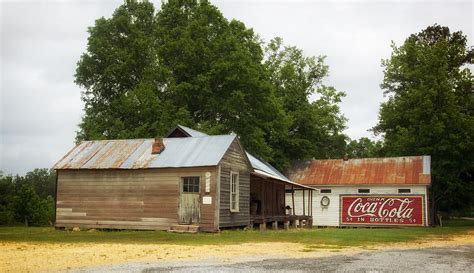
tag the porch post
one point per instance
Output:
(293, 198)
(304, 212)
(262, 202)
(311, 206)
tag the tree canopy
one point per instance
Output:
(430, 110)
(315, 126)
(145, 71)
(364, 147)
(28, 199)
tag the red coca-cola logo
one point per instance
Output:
(382, 210)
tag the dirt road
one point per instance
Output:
(85, 257)
(445, 259)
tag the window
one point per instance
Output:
(404, 190)
(364, 190)
(289, 191)
(191, 184)
(234, 192)
(325, 191)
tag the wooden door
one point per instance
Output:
(189, 200)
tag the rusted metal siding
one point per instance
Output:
(410, 170)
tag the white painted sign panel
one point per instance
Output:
(208, 182)
(207, 200)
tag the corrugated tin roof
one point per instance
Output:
(191, 132)
(257, 164)
(136, 153)
(409, 170)
(199, 149)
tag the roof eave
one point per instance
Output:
(263, 174)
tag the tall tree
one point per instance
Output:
(144, 71)
(315, 129)
(123, 79)
(430, 110)
(217, 73)
(363, 148)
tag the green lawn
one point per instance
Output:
(326, 236)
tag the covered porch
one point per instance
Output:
(268, 208)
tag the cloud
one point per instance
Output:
(42, 41)
(355, 36)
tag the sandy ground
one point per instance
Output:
(44, 257)
(438, 259)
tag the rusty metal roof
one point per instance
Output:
(136, 153)
(199, 149)
(408, 170)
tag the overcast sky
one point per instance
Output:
(41, 41)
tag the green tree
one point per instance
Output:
(28, 199)
(363, 148)
(30, 209)
(7, 191)
(217, 73)
(143, 72)
(123, 80)
(43, 181)
(315, 129)
(430, 110)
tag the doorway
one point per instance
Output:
(189, 200)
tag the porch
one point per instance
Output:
(268, 208)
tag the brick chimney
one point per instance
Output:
(158, 146)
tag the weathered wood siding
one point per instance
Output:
(268, 194)
(329, 216)
(127, 199)
(234, 160)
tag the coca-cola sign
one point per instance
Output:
(396, 210)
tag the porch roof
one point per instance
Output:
(286, 181)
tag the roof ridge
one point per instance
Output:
(151, 138)
(361, 158)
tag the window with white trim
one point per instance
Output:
(234, 192)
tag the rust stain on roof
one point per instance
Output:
(410, 170)
(137, 153)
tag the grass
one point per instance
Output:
(333, 238)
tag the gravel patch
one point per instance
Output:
(443, 259)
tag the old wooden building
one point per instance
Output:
(186, 180)
(390, 191)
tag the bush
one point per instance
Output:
(30, 209)
(27, 199)
(6, 215)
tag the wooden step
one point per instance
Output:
(184, 228)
